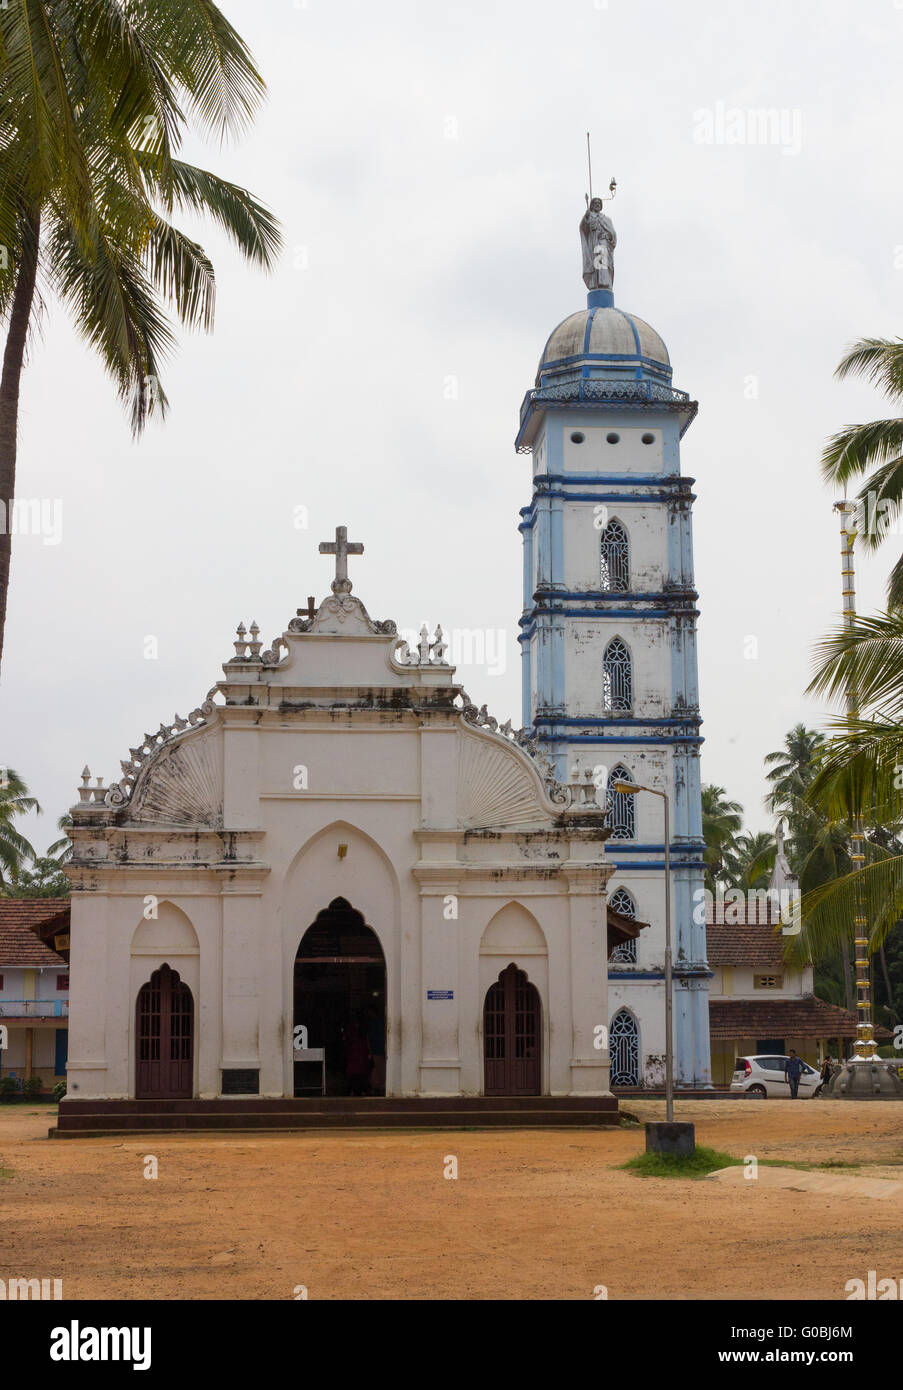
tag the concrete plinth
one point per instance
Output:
(673, 1138)
(875, 1078)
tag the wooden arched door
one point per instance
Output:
(164, 1062)
(512, 1036)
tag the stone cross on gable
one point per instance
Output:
(341, 548)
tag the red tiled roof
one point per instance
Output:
(744, 945)
(20, 920)
(750, 911)
(805, 1017)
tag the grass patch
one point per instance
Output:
(7, 1173)
(696, 1165)
(705, 1161)
(806, 1166)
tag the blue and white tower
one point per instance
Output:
(608, 641)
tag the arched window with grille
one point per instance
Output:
(615, 558)
(622, 901)
(620, 805)
(617, 677)
(624, 1049)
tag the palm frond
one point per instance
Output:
(251, 226)
(878, 360)
(866, 656)
(207, 59)
(183, 273)
(879, 502)
(827, 913)
(38, 83)
(857, 448)
(895, 585)
(14, 848)
(861, 773)
(115, 310)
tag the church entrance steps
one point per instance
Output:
(89, 1119)
(680, 1093)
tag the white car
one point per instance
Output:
(763, 1077)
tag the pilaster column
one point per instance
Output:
(241, 978)
(86, 1074)
(440, 1062)
(589, 1065)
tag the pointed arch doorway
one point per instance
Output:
(340, 999)
(512, 1036)
(164, 1037)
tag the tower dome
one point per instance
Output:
(601, 356)
(604, 342)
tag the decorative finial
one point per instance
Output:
(341, 548)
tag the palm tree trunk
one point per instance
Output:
(13, 358)
(847, 975)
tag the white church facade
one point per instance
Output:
(337, 876)
(337, 840)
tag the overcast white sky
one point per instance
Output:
(427, 162)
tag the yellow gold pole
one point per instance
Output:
(864, 1047)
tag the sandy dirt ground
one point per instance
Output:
(532, 1214)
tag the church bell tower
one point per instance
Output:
(608, 640)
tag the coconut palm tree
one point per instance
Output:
(792, 768)
(875, 449)
(721, 823)
(860, 775)
(15, 850)
(818, 850)
(754, 856)
(96, 97)
(61, 849)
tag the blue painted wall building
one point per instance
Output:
(608, 642)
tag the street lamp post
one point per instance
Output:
(684, 1143)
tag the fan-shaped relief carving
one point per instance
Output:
(183, 784)
(494, 787)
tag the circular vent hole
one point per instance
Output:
(613, 438)
(648, 438)
(577, 437)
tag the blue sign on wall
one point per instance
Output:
(440, 994)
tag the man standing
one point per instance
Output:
(793, 1070)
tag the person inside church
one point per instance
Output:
(376, 1040)
(357, 1058)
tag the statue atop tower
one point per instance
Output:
(598, 240)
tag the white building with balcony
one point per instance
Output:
(34, 991)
